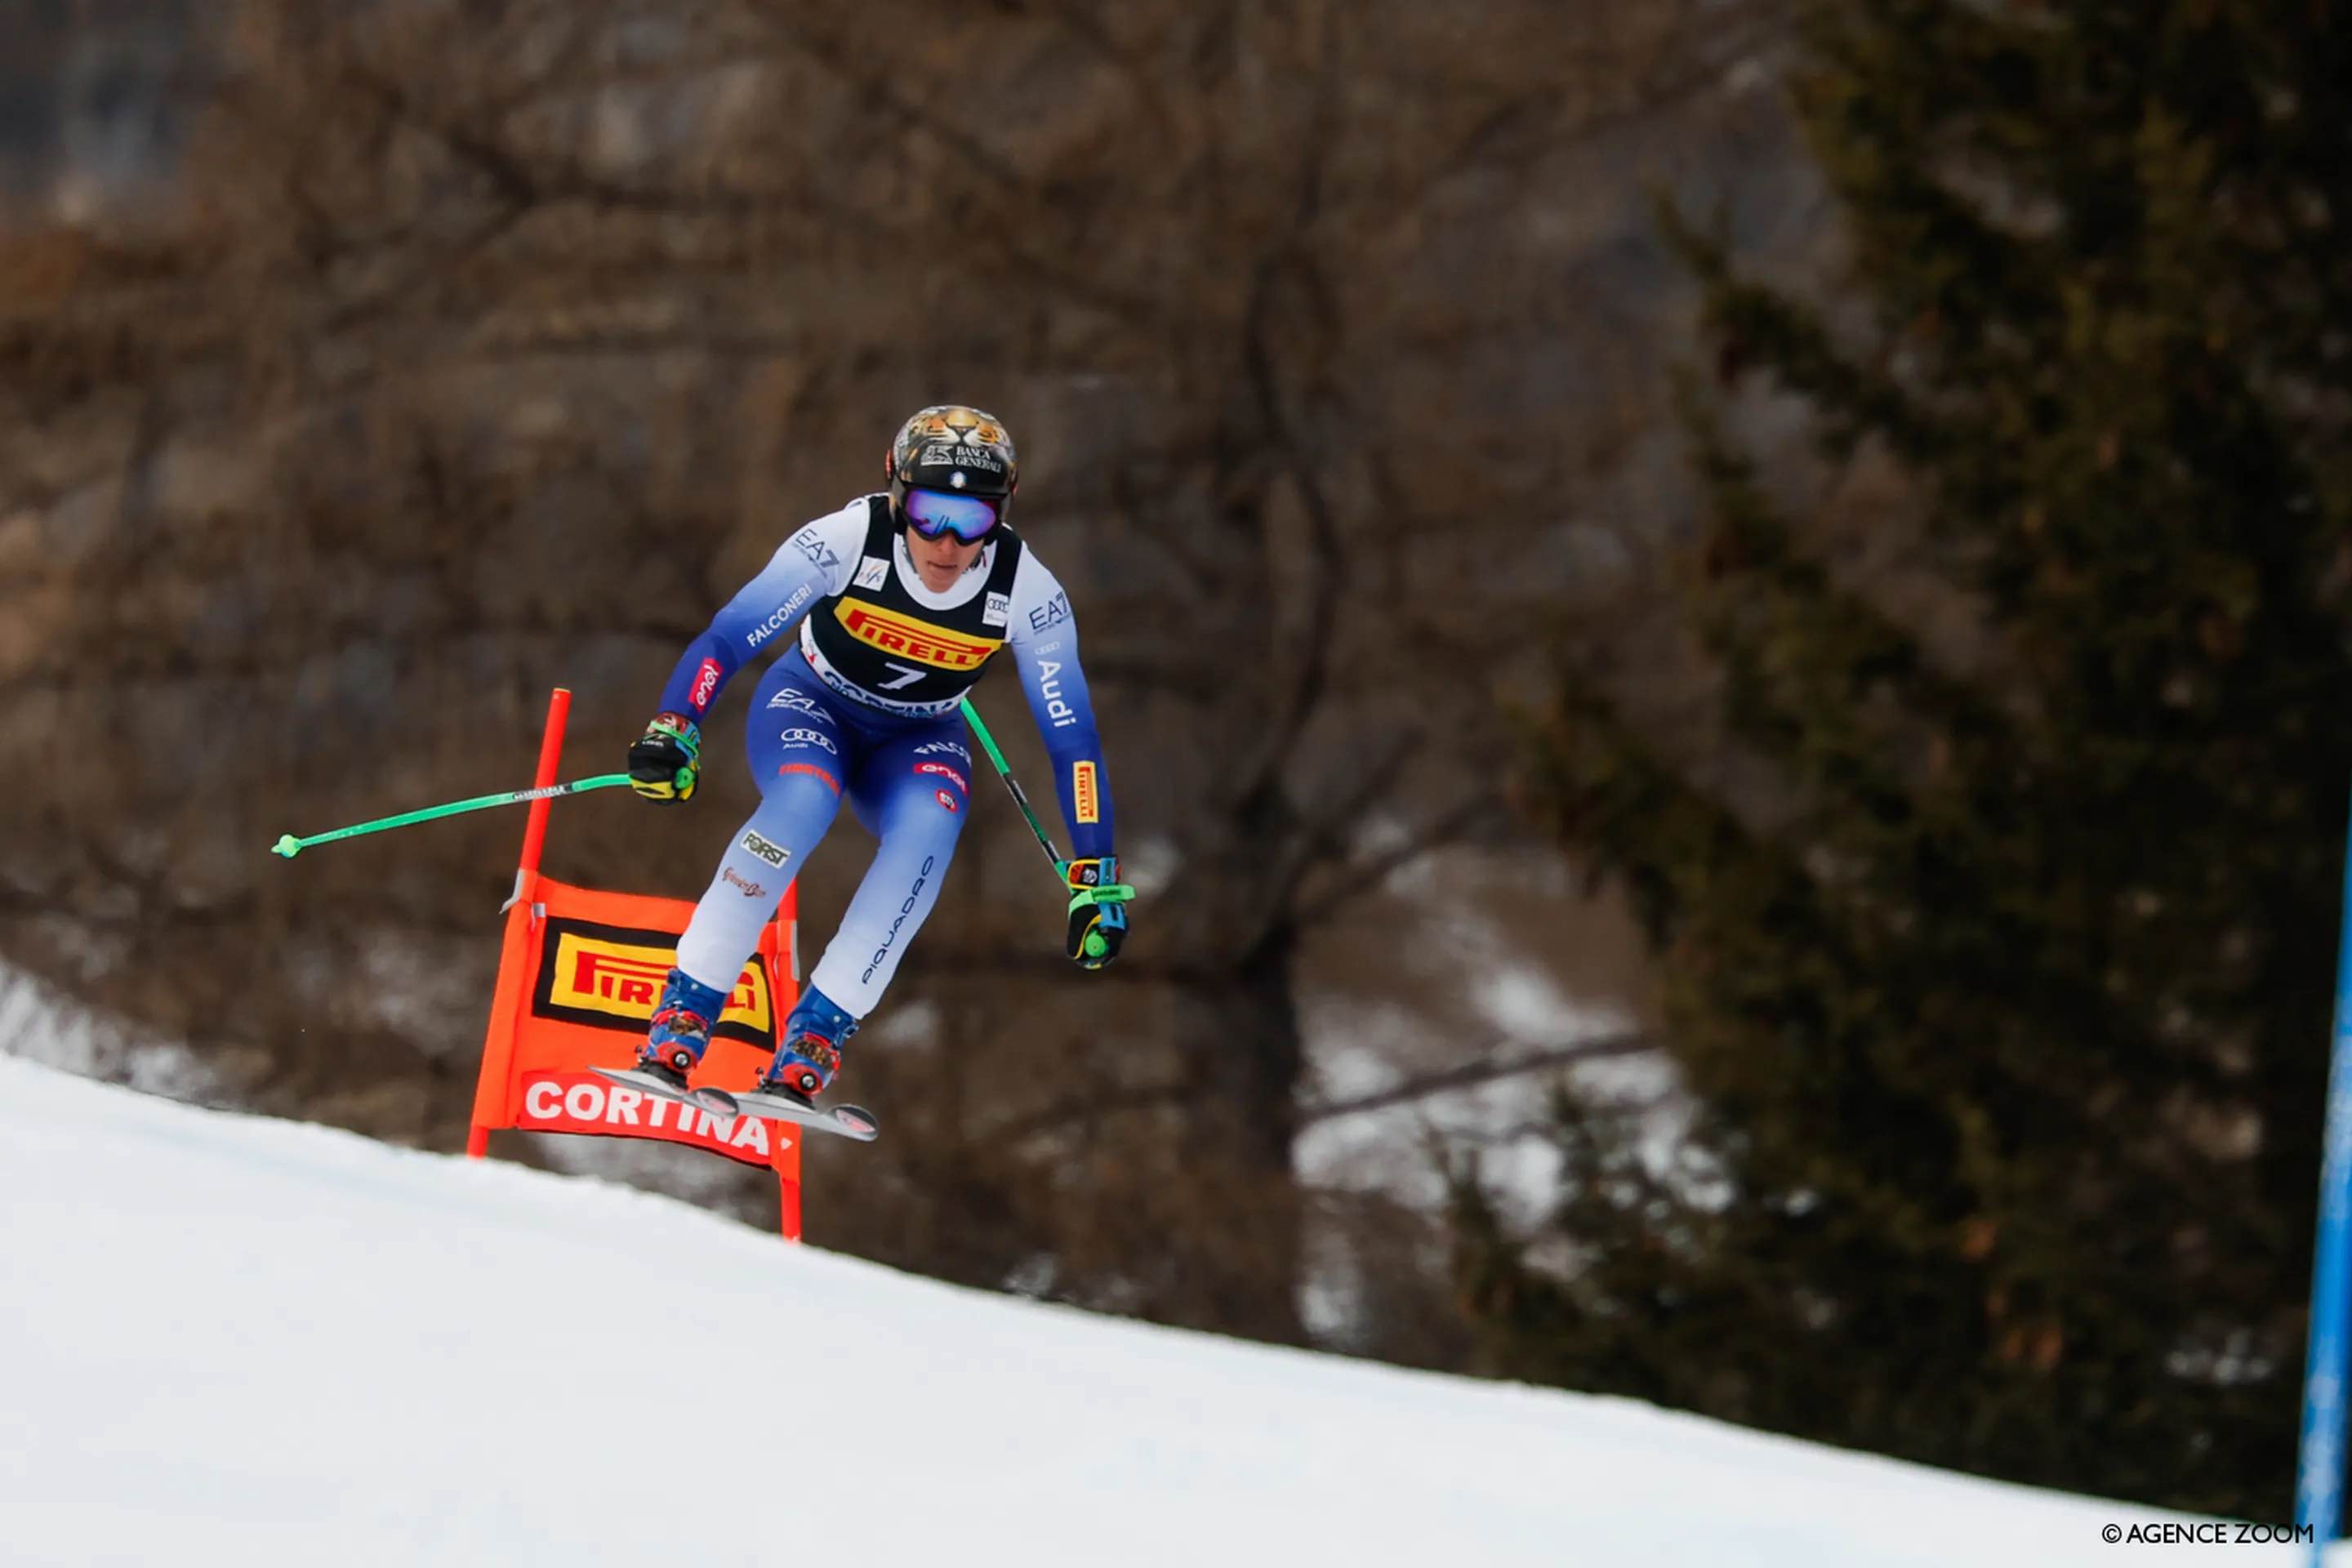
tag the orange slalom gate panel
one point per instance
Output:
(580, 973)
(577, 985)
(594, 964)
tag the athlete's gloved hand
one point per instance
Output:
(662, 760)
(1098, 910)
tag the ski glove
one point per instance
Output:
(1098, 910)
(663, 762)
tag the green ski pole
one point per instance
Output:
(289, 846)
(972, 717)
(1116, 893)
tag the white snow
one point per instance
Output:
(237, 1341)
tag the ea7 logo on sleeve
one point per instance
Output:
(810, 541)
(706, 683)
(773, 854)
(1052, 612)
(1085, 802)
(872, 571)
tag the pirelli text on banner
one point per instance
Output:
(610, 977)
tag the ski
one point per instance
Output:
(849, 1122)
(852, 1121)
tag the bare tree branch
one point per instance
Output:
(1364, 876)
(1486, 1071)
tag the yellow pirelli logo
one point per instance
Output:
(903, 637)
(593, 975)
(1088, 804)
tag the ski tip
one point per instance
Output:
(857, 1122)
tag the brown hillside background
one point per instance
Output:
(469, 351)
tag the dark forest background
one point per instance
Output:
(1818, 532)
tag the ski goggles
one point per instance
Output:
(935, 512)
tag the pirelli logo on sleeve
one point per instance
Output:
(903, 637)
(1084, 798)
(610, 977)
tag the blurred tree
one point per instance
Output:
(2001, 1002)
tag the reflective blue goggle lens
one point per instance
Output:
(935, 512)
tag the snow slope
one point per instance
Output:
(237, 1341)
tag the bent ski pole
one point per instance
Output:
(1116, 893)
(289, 846)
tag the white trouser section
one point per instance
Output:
(891, 905)
(751, 880)
(901, 888)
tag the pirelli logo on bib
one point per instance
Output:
(903, 637)
(1083, 797)
(611, 977)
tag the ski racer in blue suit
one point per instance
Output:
(900, 600)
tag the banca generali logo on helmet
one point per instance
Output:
(955, 447)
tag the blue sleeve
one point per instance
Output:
(1044, 644)
(806, 568)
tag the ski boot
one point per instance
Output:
(681, 1028)
(810, 1052)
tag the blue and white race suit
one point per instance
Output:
(817, 737)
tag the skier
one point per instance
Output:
(901, 599)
